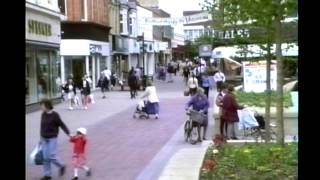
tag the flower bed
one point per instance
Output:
(250, 161)
(259, 99)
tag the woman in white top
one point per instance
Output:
(152, 106)
(193, 84)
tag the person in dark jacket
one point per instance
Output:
(229, 110)
(85, 92)
(133, 84)
(103, 84)
(49, 130)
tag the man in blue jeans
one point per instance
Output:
(50, 123)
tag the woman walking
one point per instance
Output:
(50, 124)
(85, 92)
(103, 84)
(206, 85)
(223, 123)
(193, 84)
(71, 92)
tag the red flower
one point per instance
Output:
(219, 140)
(209, 165)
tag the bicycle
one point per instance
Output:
(192, 126)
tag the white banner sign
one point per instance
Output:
(254, 76)
(196, 18)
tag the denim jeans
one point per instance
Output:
(49, 148)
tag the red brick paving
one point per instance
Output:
(120, 147)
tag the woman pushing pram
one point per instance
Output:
(149, 106)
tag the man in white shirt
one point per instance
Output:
(107, 73)
(219, 78)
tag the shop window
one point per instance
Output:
(62, 6)
(55, 79)
(121, 23)
(31, 78)
(43, 74)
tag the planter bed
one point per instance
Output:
(246, 161)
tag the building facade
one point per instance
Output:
(194, 30)
(42, 51)
(85, 47)
(146, 30)
(123, 36)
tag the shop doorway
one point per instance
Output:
(78, 71)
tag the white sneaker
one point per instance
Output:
(70, 108)
(85, 108)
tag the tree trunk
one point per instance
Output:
(280, 122)
(268, 93)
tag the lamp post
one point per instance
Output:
(141, 38)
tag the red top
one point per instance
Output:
(79, 144)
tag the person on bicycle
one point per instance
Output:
(199, 102)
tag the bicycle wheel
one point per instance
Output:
(194, 135)
(186, 130)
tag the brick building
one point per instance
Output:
(84, 45)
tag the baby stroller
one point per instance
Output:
(142, 111)
(253, 125)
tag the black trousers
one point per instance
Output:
(133, 91)
(206, 91)
(223, 126)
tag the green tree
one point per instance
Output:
(267, 17)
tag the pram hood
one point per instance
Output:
(247, 119)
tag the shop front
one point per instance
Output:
(42, 65)
(120, 56)
(89, 57)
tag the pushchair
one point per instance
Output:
(141, 110)
(253, 125)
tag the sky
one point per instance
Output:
(176, 8)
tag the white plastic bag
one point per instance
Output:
(34, 153)
(141, 105)
(92, 99)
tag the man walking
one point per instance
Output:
(219, 78)
(50, 123)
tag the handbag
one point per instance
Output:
(36, 156)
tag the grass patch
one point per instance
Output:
(251, 162)
(259, 99)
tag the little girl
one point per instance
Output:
(78, 158)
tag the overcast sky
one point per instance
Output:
(176, 8)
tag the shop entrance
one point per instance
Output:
(78, 71)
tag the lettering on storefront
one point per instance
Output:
(95, 49)
(39, 28)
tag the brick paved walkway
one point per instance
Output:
(120, 147)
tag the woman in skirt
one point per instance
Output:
(153, 100)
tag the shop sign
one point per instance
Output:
(39, 28)
(254, 76)
(205, 50)
(95, 49)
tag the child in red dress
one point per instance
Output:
(78, 158)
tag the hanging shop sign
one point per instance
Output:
(196, 18)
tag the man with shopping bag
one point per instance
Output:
(50, 124)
